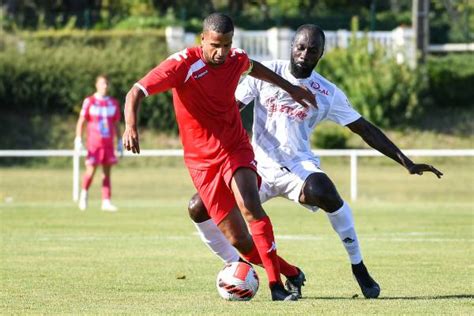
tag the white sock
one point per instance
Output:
(216, 241)
(343, 223)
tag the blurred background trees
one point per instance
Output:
(51, 51)
(450, 20)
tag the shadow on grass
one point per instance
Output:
(429, 297)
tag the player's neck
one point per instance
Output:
(99, 95)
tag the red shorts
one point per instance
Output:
(101, 156)
(213, 184)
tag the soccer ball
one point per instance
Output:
(237, 281)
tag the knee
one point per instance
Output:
(196, 209)
(322, 194)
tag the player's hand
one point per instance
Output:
(130, 139)
(120, 147)
(78, 144)
(421, 167)
(303, 96)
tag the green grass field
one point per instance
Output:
(416, 235)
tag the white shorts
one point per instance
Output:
(287, 181)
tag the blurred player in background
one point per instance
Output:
(281, 140)
(102, 114)
(217, 151)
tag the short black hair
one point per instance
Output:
(312, 29)
(219, 23)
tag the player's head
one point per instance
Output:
(102, 84)
(216, 38)
(306, 50)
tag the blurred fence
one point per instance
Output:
(275, 43)
(352, 153)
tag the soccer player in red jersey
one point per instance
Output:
(102, 114)
(217, 151)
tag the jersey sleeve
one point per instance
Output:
(247, 90)
(341, 110)
(85, 108)
(118, 111)
(169, 74)
(244, 60)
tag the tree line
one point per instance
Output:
(450, 20)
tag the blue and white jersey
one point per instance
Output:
(282, 127)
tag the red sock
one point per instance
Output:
(262, 234)
(253, 257)
(86, 181)
(106, 188)
(286, 269)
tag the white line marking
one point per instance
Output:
(384, 237)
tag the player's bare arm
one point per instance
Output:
(376, 139)
(130, 135)
(299, 94)
(79, 126)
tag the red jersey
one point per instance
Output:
(101, 115)
(203, 96)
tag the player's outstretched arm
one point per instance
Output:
(79, 128)
(299, 94)
(376, 139)
(130, 135)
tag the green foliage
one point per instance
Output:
(452, 78)
(55, 73)
(380, 89)
(47, 83)
(330, 136)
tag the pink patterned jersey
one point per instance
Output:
(101, 115)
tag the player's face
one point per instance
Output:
(216, 46)
(305, 54)
(102, 85)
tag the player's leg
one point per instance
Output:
(107, 189)
(86, 183)
(245, 188)
(224, 246)
(209, 232)
(318, 190)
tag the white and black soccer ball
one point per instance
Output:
(237, 281)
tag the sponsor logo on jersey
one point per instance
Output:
(317, 86)
(274, 107)
(199, 75)
(195, 68)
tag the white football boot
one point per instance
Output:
(107, 206)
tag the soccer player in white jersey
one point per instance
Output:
(281, 141)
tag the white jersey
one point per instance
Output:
(282, 127)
